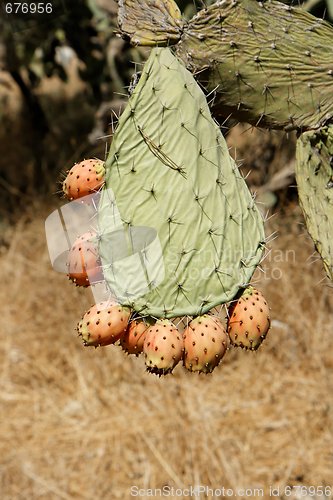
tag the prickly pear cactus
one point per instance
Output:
(179, 230)
(314, 175)
(266, 63)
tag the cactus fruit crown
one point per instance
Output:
(169, 171)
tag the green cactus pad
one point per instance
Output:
(180, 232)
(266, 63)
(136, 18)
(314, 175)
(271, 64)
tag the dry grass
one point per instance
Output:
(79, 423)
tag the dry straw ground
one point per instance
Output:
(79, 423)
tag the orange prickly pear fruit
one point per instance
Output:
(84, 178)
(205, 342)
(104, 324)
(249, 319)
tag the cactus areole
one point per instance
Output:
(179, 230)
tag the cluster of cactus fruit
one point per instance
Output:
(200, 344)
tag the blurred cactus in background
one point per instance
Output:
(314, 174)
(59, 79)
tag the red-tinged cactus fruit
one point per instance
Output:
(104, 324)
(163, 347)
(133, 340)
(248, 319)
(83, 262)
(84, 178)
(205, 342)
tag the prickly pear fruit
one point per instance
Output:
(163, 347)
(132, 341)
(84, 178)
(83, 262)
(104, 323)
(249, 319)
(205, 342)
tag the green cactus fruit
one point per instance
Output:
(163, 347)
(179, 230)
(133, 340)
(83, 262)
(104, 324)
(265, 63)
(83, 179)
(205, 344)
(314, 176)
(248, 319)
